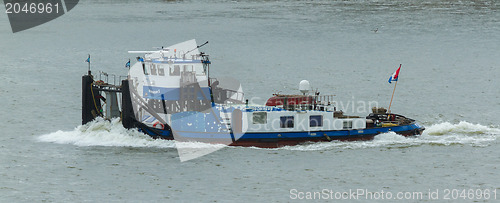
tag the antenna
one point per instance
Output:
(141, 52)
(199, 46)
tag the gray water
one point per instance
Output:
(449, 83)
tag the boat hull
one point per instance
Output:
(280, 139)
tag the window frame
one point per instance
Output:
(348, 126)
(318, 124)
(264, 118)
(287, 121)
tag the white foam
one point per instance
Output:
(105, 133)
(463, 133)
(111, 133)
(463, 127)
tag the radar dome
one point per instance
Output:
(304, 86)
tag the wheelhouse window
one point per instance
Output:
(286, 121)
(259, 117)
(316, 121)
(153, 69)
(144, 69)
(161, 70)
(348, 124)
(175, 71)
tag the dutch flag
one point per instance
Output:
(395, 75)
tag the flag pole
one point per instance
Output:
(390, 104)
(389, 111)
(89, 64)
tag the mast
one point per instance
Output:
(88, 61)
(389, 110)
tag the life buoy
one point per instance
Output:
(161, 125)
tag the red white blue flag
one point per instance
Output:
(395, 75)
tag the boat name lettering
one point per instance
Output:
(154, 91)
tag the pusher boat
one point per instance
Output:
(169, 94)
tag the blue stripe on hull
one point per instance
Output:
(335, 134)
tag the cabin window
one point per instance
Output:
(153, 69)
(347, 124)
(161, 70)
(286, 121)
(175, 71)
(316, 121)
(259, 117)
(144, 69)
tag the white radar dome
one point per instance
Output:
(304, 86)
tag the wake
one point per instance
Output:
(101, 132)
